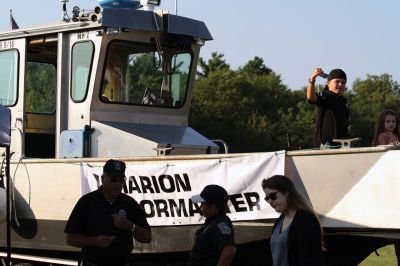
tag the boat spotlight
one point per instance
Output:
(155, 2)
(200, 41)
(149, 4)
(113, 31)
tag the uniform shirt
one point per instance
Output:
(216, 233)
(91, 216)
(332, 118)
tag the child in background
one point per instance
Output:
(387, 129)
(387, 132)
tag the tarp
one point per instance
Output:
(164, 189)
(5, 126)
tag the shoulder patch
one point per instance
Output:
(225, 229)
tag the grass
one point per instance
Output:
(386, 257)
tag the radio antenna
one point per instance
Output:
(64, 13)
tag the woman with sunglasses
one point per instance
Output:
(296, 236)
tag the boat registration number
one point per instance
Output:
(83, 35)
(6, 45)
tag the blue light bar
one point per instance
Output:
(119, 4)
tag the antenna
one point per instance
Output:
(176, 7)
(64, 12)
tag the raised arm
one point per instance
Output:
(311, 97)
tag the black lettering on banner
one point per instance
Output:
(236, 201)
(249, 201)
(133, 185)
(193, 208)
(167, 188)
(148, 205)
(184, 184)
(146, 184)
(161, 207)
(97, 178)
(156, 187)
(162, 183)
(228, 210)
(253, 200)
(169, 208)
(173, 206)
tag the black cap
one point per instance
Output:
(114, 168)
(337, 74)
(211, 194)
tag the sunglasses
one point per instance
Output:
(117, 179)
(271, 196)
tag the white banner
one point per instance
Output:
(164, 189)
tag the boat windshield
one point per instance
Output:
(139, 74)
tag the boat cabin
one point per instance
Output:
(112, 82)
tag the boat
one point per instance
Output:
(116, 81)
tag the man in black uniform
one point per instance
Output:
(333, 111)
(215, 241)
(103, 222)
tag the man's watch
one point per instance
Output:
(133, 228)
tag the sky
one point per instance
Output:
(292, 37)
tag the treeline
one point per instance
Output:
(252, 110)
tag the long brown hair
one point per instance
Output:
(380, 125)
(294, 198)
(285, 184)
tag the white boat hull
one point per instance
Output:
(354, 191)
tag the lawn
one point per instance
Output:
(386, 257)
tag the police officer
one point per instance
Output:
(214, 243)
(104, 222)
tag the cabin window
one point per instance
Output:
(180, 77)
(82, 56)
(135, 74)
(8, 77)
(40, 88)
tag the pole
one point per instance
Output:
(176, 7)
(5, 142)
(8, 215)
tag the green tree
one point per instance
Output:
(256, 66)
(214, 63)
(240, 107)
(40, 88)
(143, 74)
(296, 123)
